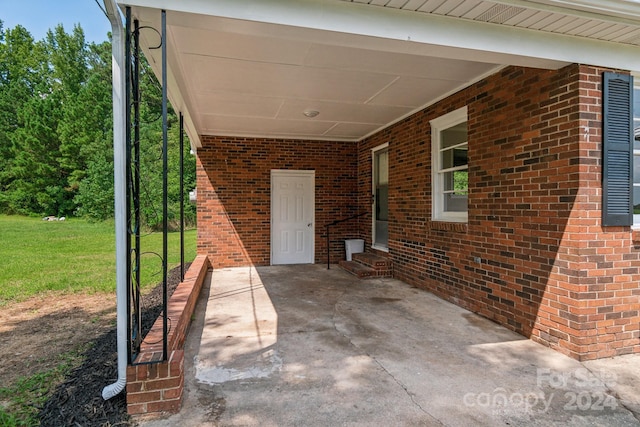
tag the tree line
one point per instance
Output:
(56, 135)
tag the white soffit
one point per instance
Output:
(251, 67)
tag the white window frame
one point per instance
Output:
(438, 125)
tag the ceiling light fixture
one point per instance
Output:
(311, 113)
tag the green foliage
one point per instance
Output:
(151, 157)
(72, 256)
(56, 148)
(26, 396)
(21, 80)
(95, 191)
(10, 420)
(461, 182)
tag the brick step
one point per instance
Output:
(372, 260)
(367, 265)
(357, 269)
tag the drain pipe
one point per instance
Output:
(119, 174)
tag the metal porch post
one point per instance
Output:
(127, 121)
(181, 197)
(165, 164)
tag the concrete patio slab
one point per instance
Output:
(307, 346)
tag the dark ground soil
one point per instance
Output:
(78, 400)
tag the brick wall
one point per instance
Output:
(234, 190)
(154, 385)
(594, 293)
(547, 269)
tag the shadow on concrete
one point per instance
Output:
(302, 345)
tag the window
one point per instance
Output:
(450, 182)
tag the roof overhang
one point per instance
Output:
(253, 67)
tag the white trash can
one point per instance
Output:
(353, 246)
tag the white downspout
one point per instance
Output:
(120, 192)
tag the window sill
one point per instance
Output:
(380, 248)
(460, 227)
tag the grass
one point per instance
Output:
(28, 394)
(63, 257)
(73, 256)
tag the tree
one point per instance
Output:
(35, 181)
(52, 72)
(151, 156)
(22, 79)
(56, 151)
(90, 123)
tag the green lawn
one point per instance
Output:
(72, 256)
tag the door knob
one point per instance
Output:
(310, 224)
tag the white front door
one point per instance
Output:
(292, 217)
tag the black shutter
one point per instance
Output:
(617, 150)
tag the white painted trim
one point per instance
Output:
(380, 147)
(287, 136)
(380, 248)
(118, 75)
(399, 30)
(613, 10)
(289, 172)
(437, 125)
(450, 119)
(354, 24)
(293, 172)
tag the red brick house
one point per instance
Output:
(488, 146)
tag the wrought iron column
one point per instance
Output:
(132, 96)
(181, 197)
(137, 338)
(127, 71)
(165, 164)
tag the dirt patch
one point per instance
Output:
(33, 333)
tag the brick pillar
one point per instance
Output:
(157, 387)
(590, 305)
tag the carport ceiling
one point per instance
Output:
(253, 68)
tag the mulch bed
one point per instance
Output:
(78, 400)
